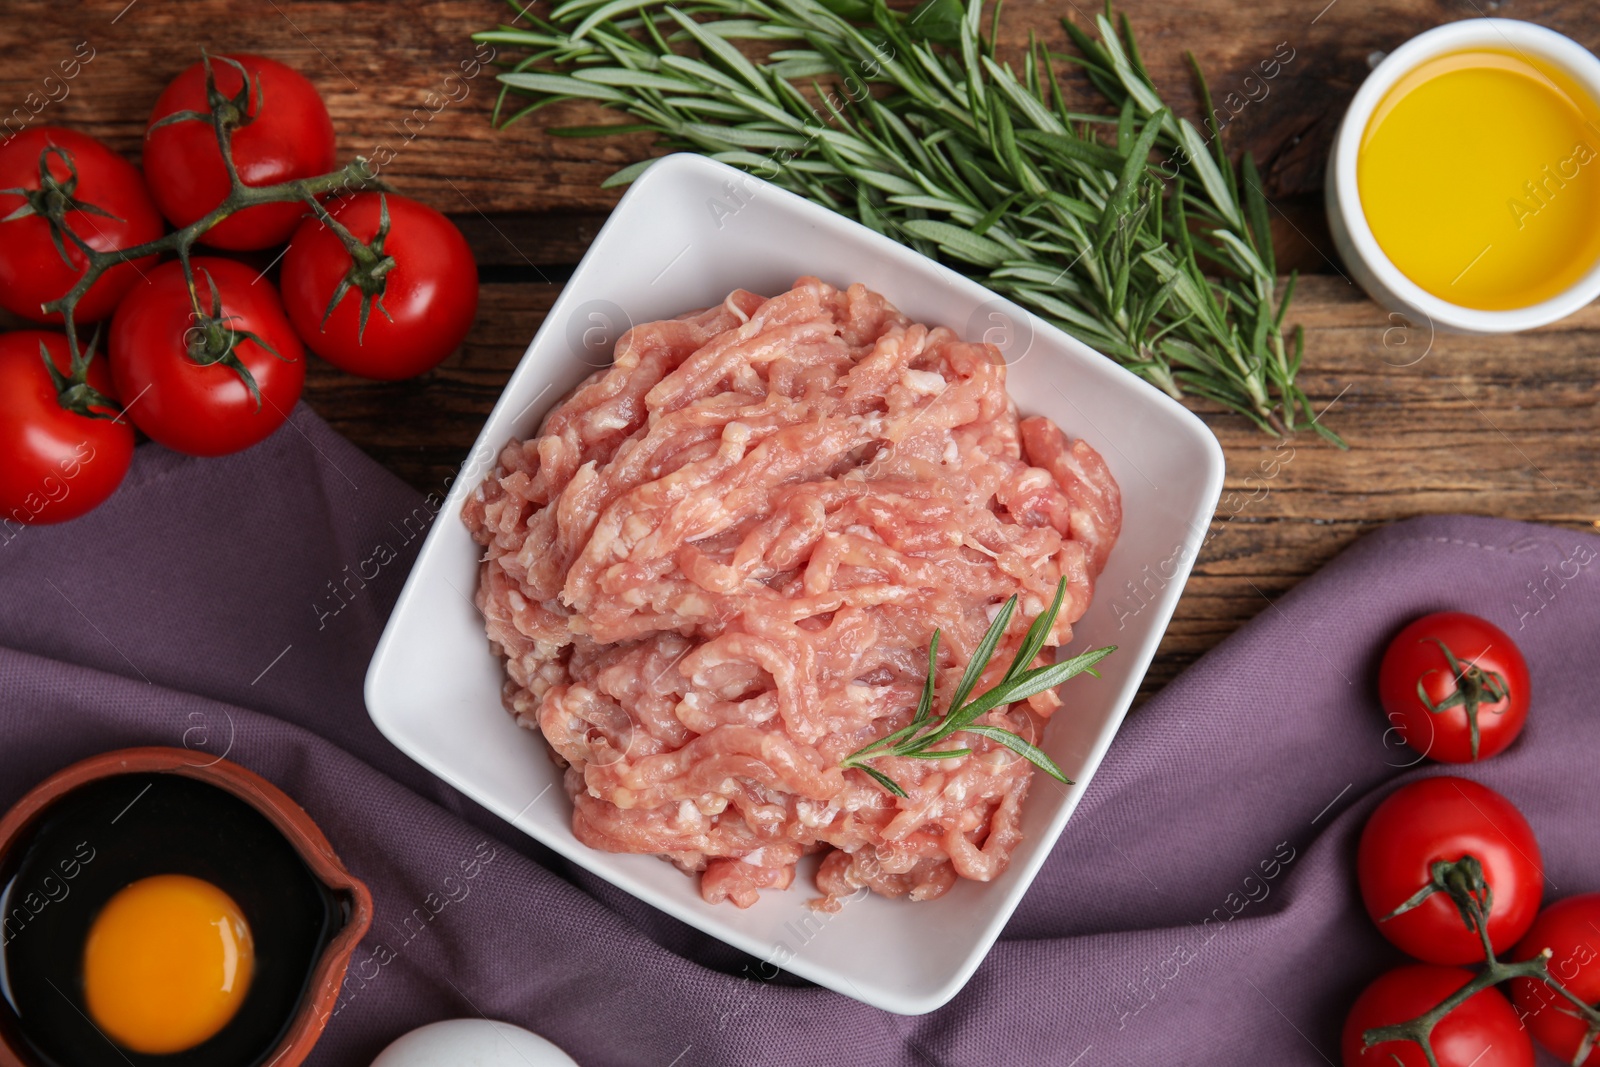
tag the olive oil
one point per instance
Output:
(1479, 174)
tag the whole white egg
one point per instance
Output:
(472, 1043)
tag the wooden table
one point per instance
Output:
(1435, 424)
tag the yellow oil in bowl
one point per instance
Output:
(1479, 175)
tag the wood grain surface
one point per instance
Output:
(1502, 426)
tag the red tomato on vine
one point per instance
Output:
(390, 297)
(281, 131)
(1482, 1031)
(211, 384)
(1455, 687)
(1430, 848)
(58, 463)
(96, 194)
(1570, 929)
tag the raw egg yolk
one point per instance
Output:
(167, 964)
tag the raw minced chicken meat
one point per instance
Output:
(715, 570)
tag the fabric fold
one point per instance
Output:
(1200, 906)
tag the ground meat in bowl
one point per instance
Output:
(715, 570)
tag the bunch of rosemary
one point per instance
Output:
(910, 123)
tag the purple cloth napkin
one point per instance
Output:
(1200, 907)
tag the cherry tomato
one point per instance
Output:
(1459, 711)
(428, 298)
(55, 464)
(113, 211)
(1570, 929)
(288, 136)
(205, 409)
(1445, 819)
(1482, 1031)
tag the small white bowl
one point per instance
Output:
(1366, 261)
(687, 233)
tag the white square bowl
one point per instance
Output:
(689, 231)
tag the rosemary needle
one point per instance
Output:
(911, 124)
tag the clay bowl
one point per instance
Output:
(91, 829)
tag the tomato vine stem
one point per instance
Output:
(369, 264)
(1472, 898)
(54, 200)
(1474, 687)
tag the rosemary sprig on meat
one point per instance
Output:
(917, 739)
(910, 123)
